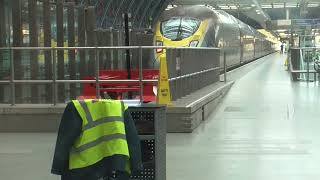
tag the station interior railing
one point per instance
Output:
(304, 64)
(53, 75)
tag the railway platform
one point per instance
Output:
(265, 128)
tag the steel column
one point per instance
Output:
(71, 53)
(54, 78)
(47, 43)
(82, 42)
(91, 38)
(111, 50)
(2, 43)
(33, 29)
(60, 53)
(12, 76)
(17, 42)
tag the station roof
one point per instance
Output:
(262, 11)
(143, 12)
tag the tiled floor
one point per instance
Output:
(266, 128)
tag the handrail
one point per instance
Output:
(193, 74)
(306, 48)
(54, 81)
(79, 81)
(105, 47)
(308, 71)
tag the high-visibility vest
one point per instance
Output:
(103, 133)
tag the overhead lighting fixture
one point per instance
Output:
(258, 12)
(253, 5)
(281, 30)
(169, 7)
(278, 5)
(313, 5)
(233, 7)
(266, 6)
(223, 7)
(291, 5)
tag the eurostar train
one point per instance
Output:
(200, 26)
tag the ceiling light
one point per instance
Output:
(253, 5)
(258, 12)
(265, 6)
(313, 5)
(233, 7)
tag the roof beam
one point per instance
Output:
(260, 9)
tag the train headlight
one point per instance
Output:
(193, 43)
(159, 43)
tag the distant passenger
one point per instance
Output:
(284, 47)
(281, 48)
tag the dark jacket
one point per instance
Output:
(69, 131)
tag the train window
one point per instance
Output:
(178, 28)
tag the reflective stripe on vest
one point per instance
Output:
(103, 132)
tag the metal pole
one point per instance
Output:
(82, 42)
(54, 78)
(71, 43)
(60, 53)
(308, 69)
(3, 38)
(13, 91)
(225, 66)
(140, 75)
(17, 41)
(127, 43)
(47, 43)
(97, 74)
(32, 7)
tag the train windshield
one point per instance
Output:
(179, 28)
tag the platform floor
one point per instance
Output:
(266, 128)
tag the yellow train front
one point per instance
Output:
(201, 26)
